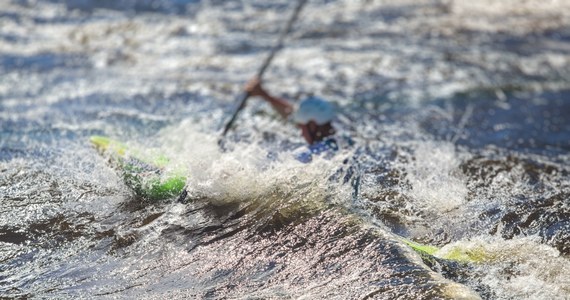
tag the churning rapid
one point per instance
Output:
(458, 111)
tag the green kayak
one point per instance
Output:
(149, 180)
(455, 253)
(146, 176)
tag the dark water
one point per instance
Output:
(459, 113)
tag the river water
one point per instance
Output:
(459, 112)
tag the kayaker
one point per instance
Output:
(312, 115)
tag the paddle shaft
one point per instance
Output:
(243, 98)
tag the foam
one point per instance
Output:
(433, 173)
(245, 171)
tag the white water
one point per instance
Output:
(165, 82)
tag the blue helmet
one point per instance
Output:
(314, 109)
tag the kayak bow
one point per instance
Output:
(145, 176)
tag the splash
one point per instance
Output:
(436, 181)
(244, 171)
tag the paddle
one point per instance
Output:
(243, 98)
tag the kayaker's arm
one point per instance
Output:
(282, 106)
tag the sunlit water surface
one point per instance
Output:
(458, 110)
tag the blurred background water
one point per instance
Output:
(459, 111)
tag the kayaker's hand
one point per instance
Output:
(254, 88)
